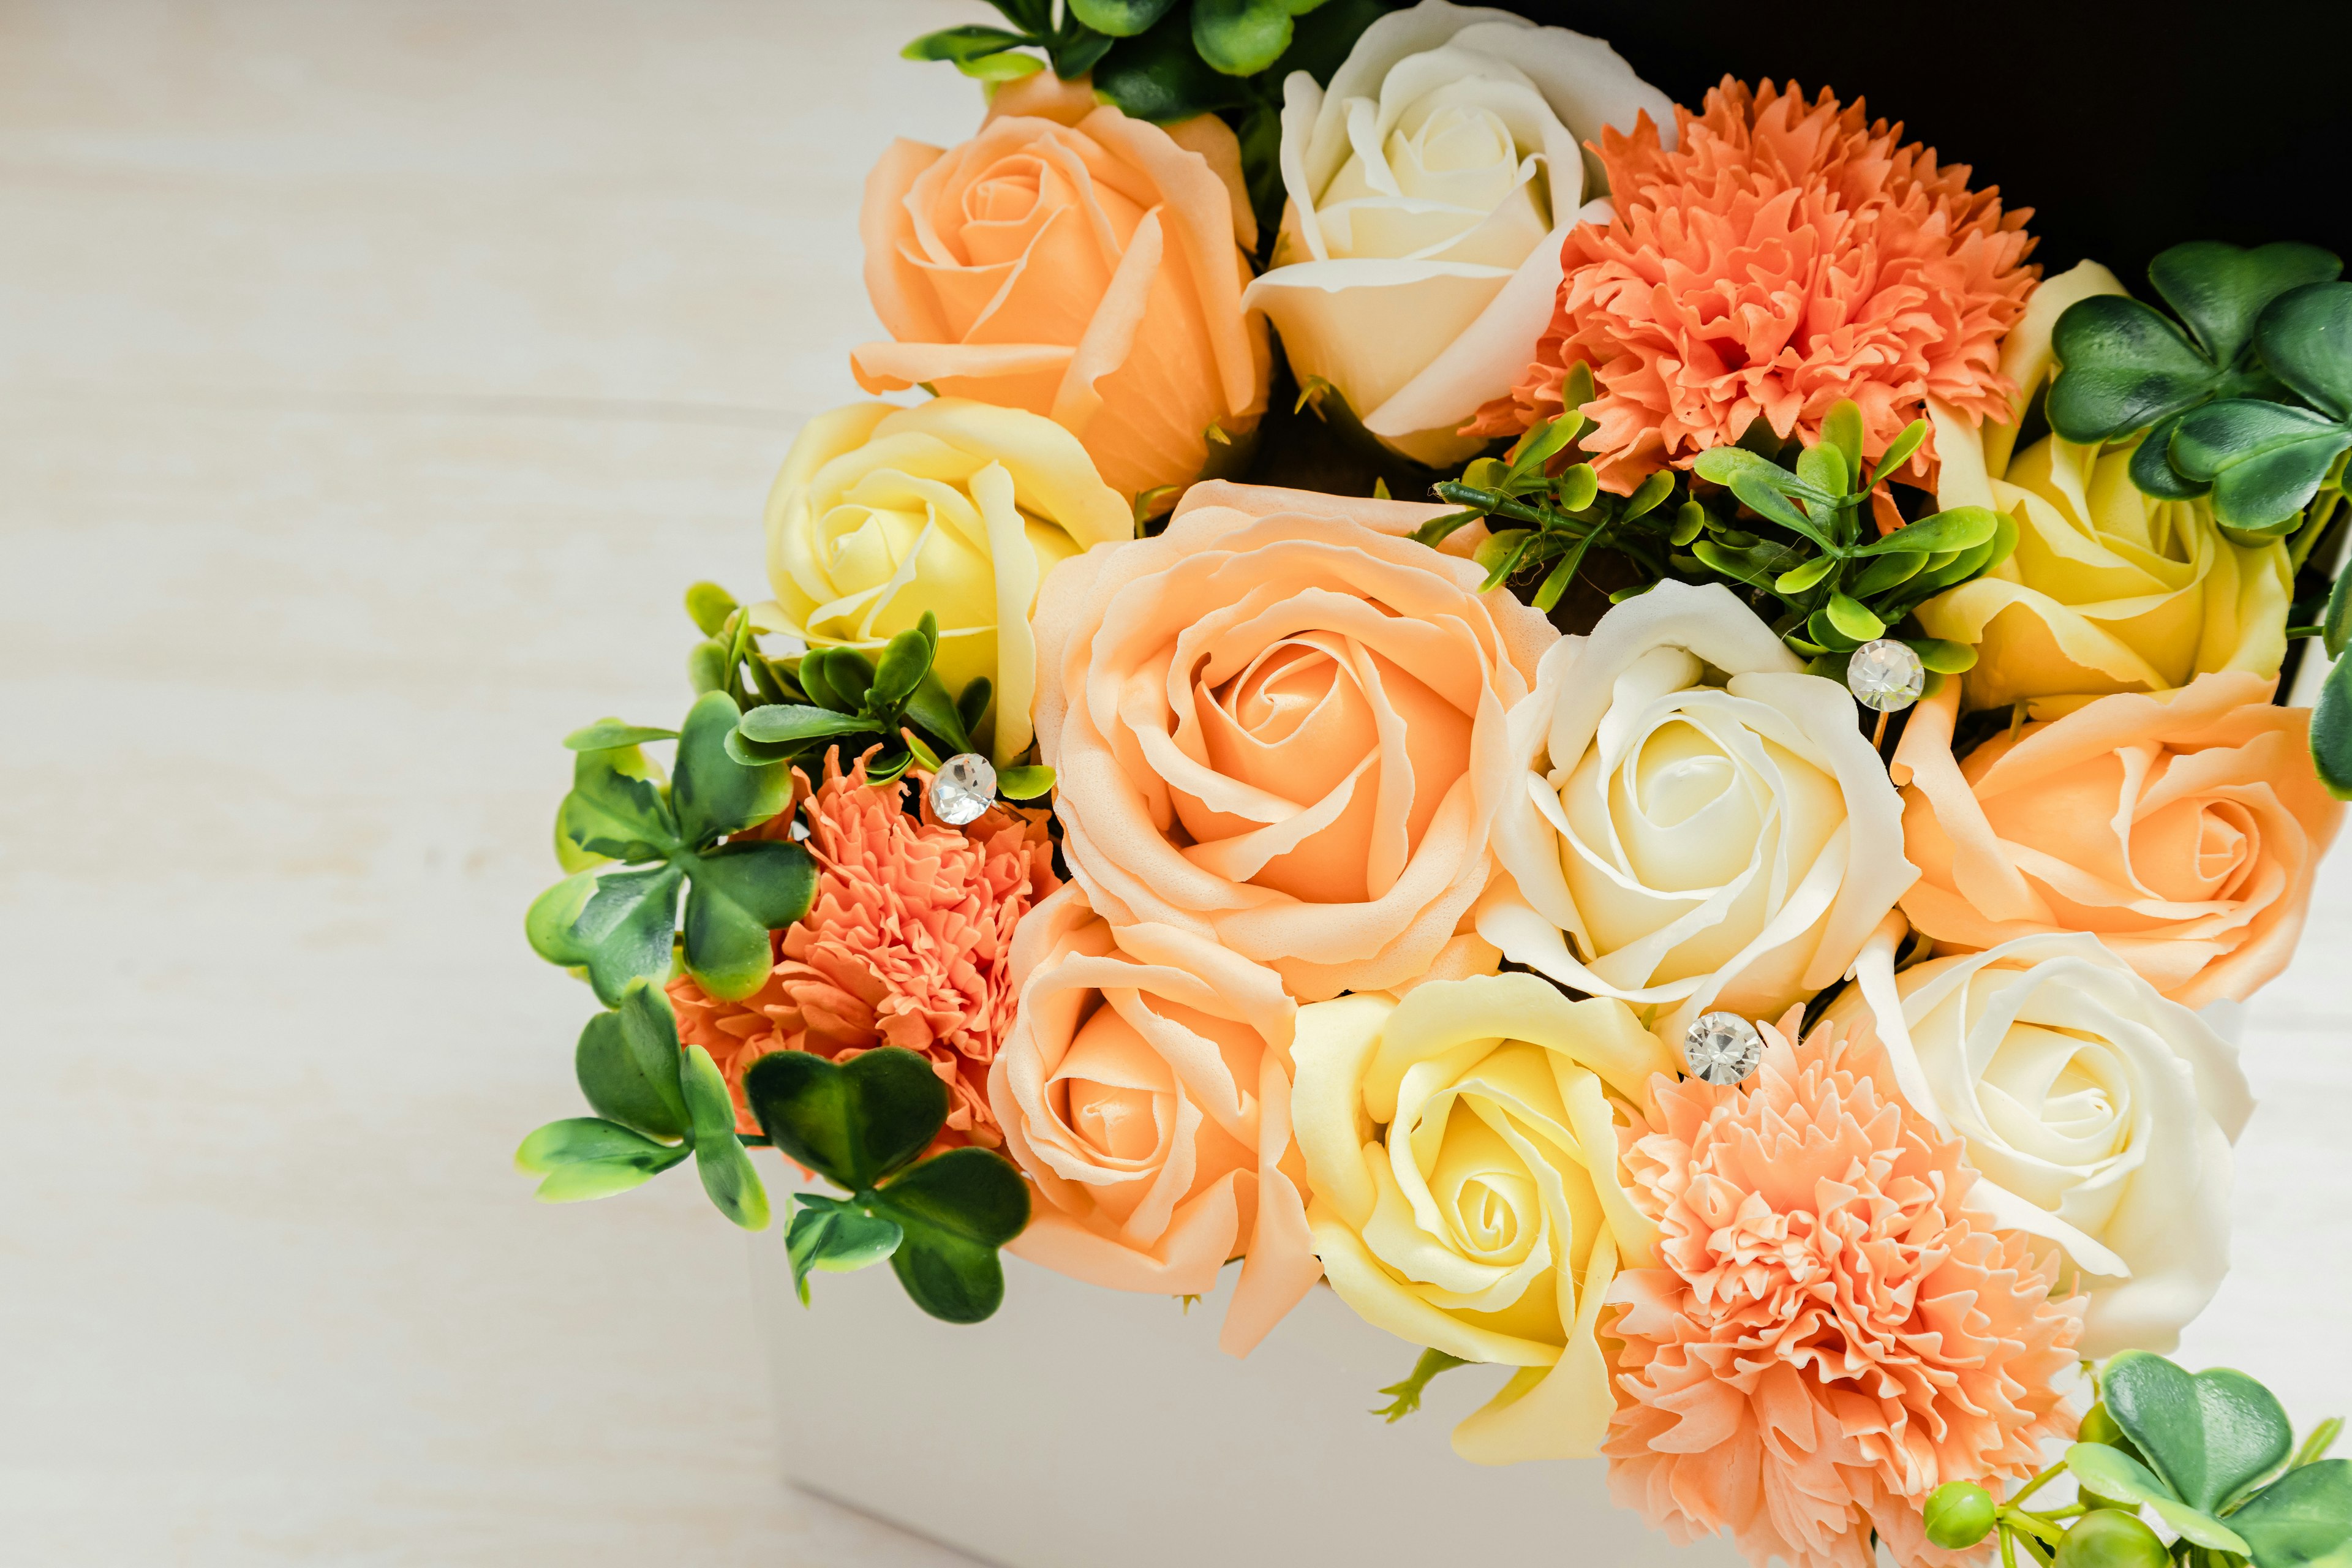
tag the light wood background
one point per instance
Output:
(372, 379)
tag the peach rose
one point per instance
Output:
(1078, 263)
(1280, 725)
(2181, 829)
(1145, 1088)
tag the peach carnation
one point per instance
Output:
(1781, 258)
(1833, 1335)
(908, 942)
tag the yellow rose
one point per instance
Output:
(1460, 1150)
(955, 507)
(2109, 590)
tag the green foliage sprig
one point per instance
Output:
(1166, 60)
(2212, 1454)
(861, 1124)
(1798, 541)
(657, 1102)
(622, 925)
(895, 702)
(2216, 391)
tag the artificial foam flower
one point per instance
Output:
(2109, 589)
(953, 509)
(1784, 256)
(908, 942)
(1078, 263)
(2098, 1115)
(1693, 821)
(1830, 1334)
(2182, 829)
(1145, 1088)
(1430, 189)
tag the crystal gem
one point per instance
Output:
(1722, 1047)
(963, 788)
(1886, 674)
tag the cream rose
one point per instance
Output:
(1281, 725)
(1698, 823)
(1145, 1087)
(1462, 1153)
(1430, 189)
(953, 507)
(2099, 1115)
(2108, 589)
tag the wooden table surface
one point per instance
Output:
(372, 379)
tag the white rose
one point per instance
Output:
(2099, 1115)
(1429, 193)
(1701, 824)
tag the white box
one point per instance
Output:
(1089, 1428)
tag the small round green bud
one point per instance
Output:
(1958, 1514)
(2110, 1538)
(2098, 1427)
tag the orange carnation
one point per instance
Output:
(908, 942)
(1781, 258)
(1833, 1335)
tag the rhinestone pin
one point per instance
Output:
(1886, 674)
(962, 789)
(1722, 1047)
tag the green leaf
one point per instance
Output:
(1825, 467)
(2222, 291)
(961, 44)
(836, 1235)
(1851, 617)
(1500, 552)
(1119, 18)
(1159, 75)
(583, 1158)
(852, 1122)
(713, 793)
(740, 892)
(2306, 338)
(2331, 730)
(2125, 367)
(1962, 528)
(726, 1170)
(2322, 1438)
(1898, 452)
(1240, 37)
(1889, 571)
(1578, 487)
(1554, 586)
(779, 731)
(616, 1087)
(2112, 1473)
(2209, 1435)
(956, 1209)
(2302, 1520)
(1842, 432)
(606, 734)
(1963, 565)
(933, 710)
(1404, 1398)
(649, 1034)
(626, 931)
(1752, 566)
(547, 925)
(2336, 625)
(1648, 495)
(2265, 459)
(1944, 657)
(905, 658)
(1766, 500)
(1689, 519)
(708, 605)
(615, 808)
(1535, 448)
(1026, 782)
(845, 675)
(2151, 464)
(1797, 579)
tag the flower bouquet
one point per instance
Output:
(1717, 912)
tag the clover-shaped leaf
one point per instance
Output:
(622, 925)
(726, 1171)
(860, 1124)
(2209, 1436)
(2302, 1520)
(2266, 460)
(852, 1124)
(2221, 291)
(616, 1078)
